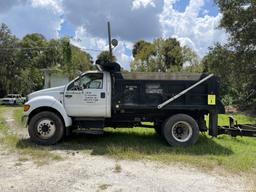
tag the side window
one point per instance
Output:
(88, 81)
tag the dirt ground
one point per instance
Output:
(85, 172)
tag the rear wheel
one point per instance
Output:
(46, 128)
(180, 130)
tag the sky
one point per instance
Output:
(193, 22)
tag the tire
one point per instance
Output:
(46, 128)
(180, 130)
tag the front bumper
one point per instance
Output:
(24, 120)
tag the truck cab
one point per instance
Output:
(89, 95)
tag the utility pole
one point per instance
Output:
(109, 42)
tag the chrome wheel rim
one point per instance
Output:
(181, 131)
(46, 129)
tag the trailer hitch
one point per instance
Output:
(234, 129)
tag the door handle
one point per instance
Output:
(68, 96)
(102, 95)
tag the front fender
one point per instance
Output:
(48, 101)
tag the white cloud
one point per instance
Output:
(54, 5)
(86, 41)
(197, 32)
(136, 4)
(33, 16)
(131, 20)
(121, 51)
(127, 23)
(94, 45)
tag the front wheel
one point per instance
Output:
(180, 130)
(46, 128)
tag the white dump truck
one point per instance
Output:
(175, 104)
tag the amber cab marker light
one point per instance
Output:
(26, 107)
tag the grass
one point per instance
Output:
(103, 187)
(118, 168)
(231, 154)
(18, 115)
(39, 154)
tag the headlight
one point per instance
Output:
(26, 108)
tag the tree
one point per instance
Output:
(191, 61)
(21, 61)
(105, 56)
(172, 54)
(142, 52)
(81, 61)
(220, 61)
(139, 46)
(239, 21)
(163, 55)
(189, 57)
(8, 63)
(35, 54)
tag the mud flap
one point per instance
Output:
(213, 124)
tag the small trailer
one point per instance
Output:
(234, 129)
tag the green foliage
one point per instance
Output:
(189, 56)
(235, 62)
(220, 61)
(194, 68)
(105, 57)
(225, 152)
(8, 59)
(139, 46)
(22, 60)
(81, 61)
(163, 55)
(26, 150)
(239, 21)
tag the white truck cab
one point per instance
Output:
(87, 96)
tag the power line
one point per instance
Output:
(96, 50)
(43, 48)
(25, 48)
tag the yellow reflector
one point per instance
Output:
(211, 99)
(26, 107)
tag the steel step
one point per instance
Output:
(91, 131)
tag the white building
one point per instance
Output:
(54, 78)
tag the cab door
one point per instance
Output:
(86, 96)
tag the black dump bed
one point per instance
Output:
(148, 90)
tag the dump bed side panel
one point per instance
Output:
(142, 93)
